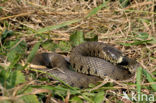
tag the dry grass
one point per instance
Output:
(113, 24)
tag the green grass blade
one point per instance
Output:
(95, 10)
(49, 28)
(124, 3)
(138, 80)
(150, 79)
(89, 100)
(33, 52)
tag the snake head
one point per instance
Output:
(133, 65)
(113, 55)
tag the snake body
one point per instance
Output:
(95, 59)
(62, 71)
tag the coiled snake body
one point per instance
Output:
(96, 59)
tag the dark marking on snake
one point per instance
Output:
(81, 67)
(95, 72)
(73, 65)
(93, 53)
(88, 70)
(98, 52)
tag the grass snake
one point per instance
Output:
(91, 61)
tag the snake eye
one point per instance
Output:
(114, 56)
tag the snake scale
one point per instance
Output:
(96, 59)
